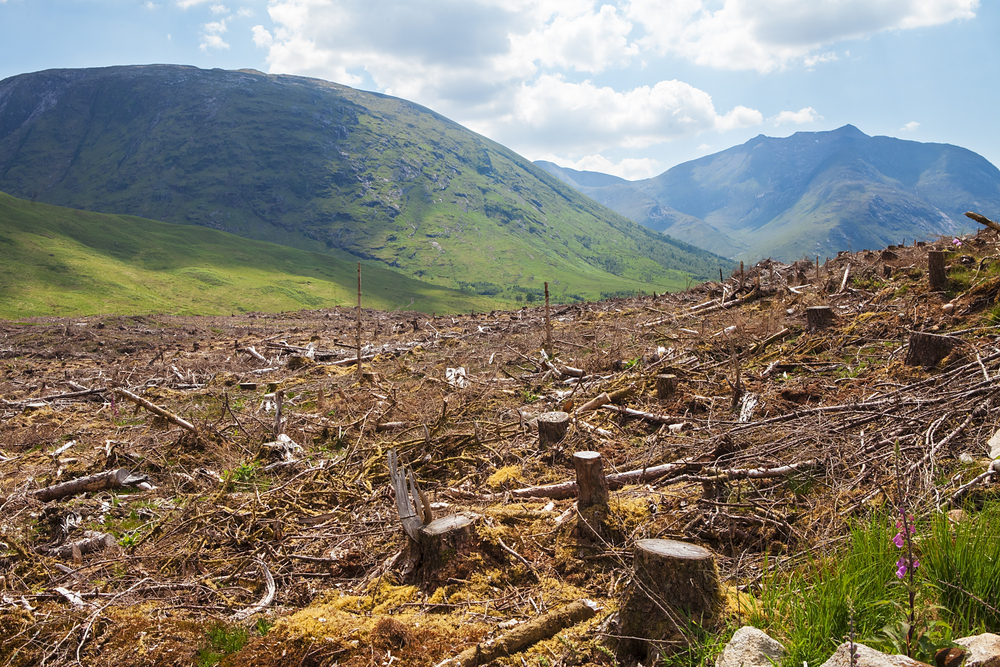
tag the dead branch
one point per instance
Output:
(110, 479)
(538, 629)
(156, 410)
(269, 590)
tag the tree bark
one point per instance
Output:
(936, 276)
(927, 349)
(445, 545)
(552, 427)
(592, 495)
(110, 479)
(538, 629)
(674, 584)
(819, 318)
(96, 542)
(666, 385)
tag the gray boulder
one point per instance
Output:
(869, 657)
(750, 647)
(984, 650)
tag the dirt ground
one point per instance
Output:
(250, 534)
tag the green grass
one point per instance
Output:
(324, 168)
(58, 261)
(806, 607)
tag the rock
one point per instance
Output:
(994, 445)
(949, 657)
(984, 650)
(750, 647)
(868, 657)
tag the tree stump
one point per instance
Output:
(927, 349)
(444, 546)
(592, 495)
(552, 427)
(666, 385)
(936, 276)
(675, 584)
(819, 318)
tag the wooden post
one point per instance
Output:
(927, 349)
(592, 495)
(357, 338)
(666, 385)
(673, 582)
(818, 318)
(817, 270)
(548, 324)
(279, 399)
(936, 276)
(552, 427)
(590, 481)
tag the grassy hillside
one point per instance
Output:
(323, 167)
(59, 261)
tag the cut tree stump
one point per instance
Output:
(552, 427)
(666, 385)
(444, 546)
(674, 584)
(927, 349)
(936, 276)
(819, 318)
(592, 495)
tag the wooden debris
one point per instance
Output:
(937, 278)
(819, 318)
(91, 543)
(927, 349)
(538, 629)
(666, 385)
(552, 427)
(110, 479)
(672, 582)
(156, 410)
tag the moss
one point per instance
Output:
(504, 476)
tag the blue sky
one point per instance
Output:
(630, 88)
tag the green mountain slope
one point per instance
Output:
(59, 261)
(322, 167)
(813, 193)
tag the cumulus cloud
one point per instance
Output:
(800, 117)
(211, 37)
(910, 127)
(768, 34)
(246, 12)
(630, 168)
(219, 9)
(185, 4)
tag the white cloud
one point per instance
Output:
(246, 12)
(740, 117)
(629, 168)
(211, 38)
(589, 42)
(704, 148)
(184, 4)
(800, 117)
(261, 37)
(910, 127)
(219, 9)
(147, 5)
(769, 34)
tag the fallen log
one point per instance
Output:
(156, 410)
(538, 629)
(110, 479)
(983, 220)
(93, 542)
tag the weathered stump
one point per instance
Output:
(666, 385)
(819, 318)
(936, 276)
(927, 349)
(674, 584)
(552, 427)
(592, 495)
(444, 546)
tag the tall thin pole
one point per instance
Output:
(548, 324)
(357, 338)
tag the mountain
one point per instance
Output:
(322, 167)
(813, 193)
(60, 261)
